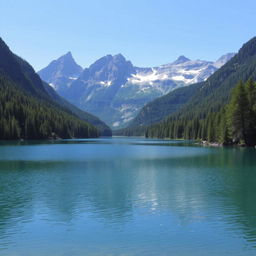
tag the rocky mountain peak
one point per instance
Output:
(109, 67)
(115, 90)
(61, 71)
(181, 59)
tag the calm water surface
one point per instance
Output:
(126, 197)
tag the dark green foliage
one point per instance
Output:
(21, 73)
(91, 119)
(234, 123)
(242, 113)
(162, 107)
(204, 115)
(205, 97)
(223, 129)
(239, 113)
(23, 116)
(44, 113)
(214, 93)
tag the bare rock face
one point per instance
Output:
(62, 72)
(115, 90)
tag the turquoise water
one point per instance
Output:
(126, 197)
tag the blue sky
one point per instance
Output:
(148, 32)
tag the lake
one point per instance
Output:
(126, 197)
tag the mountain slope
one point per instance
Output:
(48, 91)
(115, 90)
(48, 115)
(96, 89)
(25, 116)
(162, 107)
(87, 117)
(20, 72)
(214, 93)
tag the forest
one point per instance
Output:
(219, 110)
(235, 123)
(24, 116)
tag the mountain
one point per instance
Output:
(62, 72)
(224, 59)
(98, 88)
(215, 91)
(20, 72)
(103, 129)
(115, 90)
(155, 111)
(180, 60)
(31, 109)
(209, 97)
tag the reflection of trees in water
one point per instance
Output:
(65, 189)
(240, 192)
(231, 182)
(221, 182)
(16, 203)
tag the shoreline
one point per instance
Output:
(217, 144)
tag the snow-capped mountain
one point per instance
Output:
(185, 72)
(223, 60)
(61, 73)
(115, 90)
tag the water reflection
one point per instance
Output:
(191, 184)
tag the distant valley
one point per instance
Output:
(115, 90)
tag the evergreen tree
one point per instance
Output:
(251, 94)
(25, 116)
(236, 122)
(239, 115)
(223, 132)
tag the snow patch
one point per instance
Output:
(149, 77)
(126, 120)
(52, 85)
(116, 124)
(72, 78)
(106, 83)
(180, 78)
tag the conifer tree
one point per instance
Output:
(239, 114)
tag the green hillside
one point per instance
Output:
(23, 116)
(162, 107)
(206, 115)
(30, 110)
(199, 102)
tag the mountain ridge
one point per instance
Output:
(61, 72)
(210, 96)
(22, 79)
(115, 90)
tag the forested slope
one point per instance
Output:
(211, 114)
(195, 118)
(30, 110)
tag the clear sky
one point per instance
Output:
(147, 32)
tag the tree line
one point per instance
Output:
(233, 124)
(24, 116)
